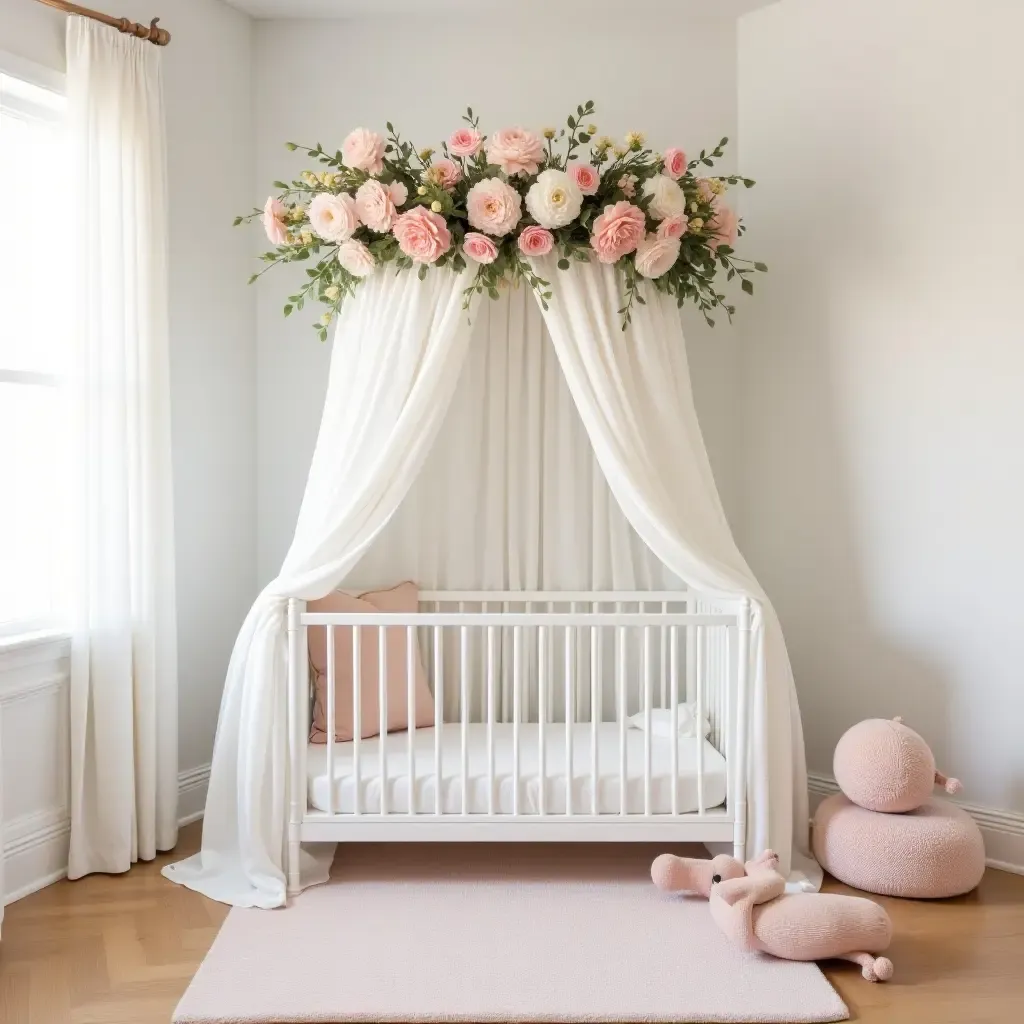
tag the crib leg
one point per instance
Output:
(292, 867)
(874, 968)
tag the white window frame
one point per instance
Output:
(27, 632)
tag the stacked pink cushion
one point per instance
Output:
(885, 833)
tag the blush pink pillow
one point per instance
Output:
(403, 598)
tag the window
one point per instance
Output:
(35, 289)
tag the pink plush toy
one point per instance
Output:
(750, 905)
(884, 765)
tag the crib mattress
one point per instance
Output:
(608, 783)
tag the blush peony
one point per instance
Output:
(674, 162)
(493, 206)
(674, 226)
(536, 241)
(655, 256)
(444, 172)
(554, 199)
(333, 218)
(356, 258)
(586, 177)
(617, 231)
(363, 150)
(479, 248)
(422, 235)
(723, 224)
(274, 214)
(398, 192)
(667, 199)
(515, 151)
(464, 142)
(375, 206)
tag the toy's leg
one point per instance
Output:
(874, 968)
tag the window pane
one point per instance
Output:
(33, 570)
(34, 281)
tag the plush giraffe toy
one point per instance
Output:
(750, 905)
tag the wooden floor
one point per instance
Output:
(121, 950)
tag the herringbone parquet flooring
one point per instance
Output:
(122, 949)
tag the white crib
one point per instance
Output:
(532, 691)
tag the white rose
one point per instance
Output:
(554, 199)
(655, 256)
(333, 218)
(667, 199)
(356, 258)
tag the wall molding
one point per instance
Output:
(1003, 830)
(35, 846)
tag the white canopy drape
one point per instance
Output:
(400, 348)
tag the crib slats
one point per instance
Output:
(701, 640)
(382, 698)
(464, 716)
(329, 724)
(673, 660)
(570, 676)
(663, 638)
(490, 719)
(620, 685)
(438, 718)
(647, 657)
(357, 718)
(595, 711)
(517, 669)
(542, 714)
(410, 682)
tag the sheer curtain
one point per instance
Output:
(124, 732)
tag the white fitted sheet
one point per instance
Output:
(608, 788)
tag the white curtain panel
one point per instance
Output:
(398, 351)
(124, 716)
(633, 393)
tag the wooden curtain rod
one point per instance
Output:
(160, 36)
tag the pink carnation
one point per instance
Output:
(464, 142)
(674, 162)
(586, 177)
(444, 172)
(515, 151)
(536, 241)
(422, 234)
(494, 206)
(479, 248)
(273, 221)
(617, 231)
(364, 150)
(723, 224)
(674, 226)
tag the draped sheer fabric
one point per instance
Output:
(522, 451)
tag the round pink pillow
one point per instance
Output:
(884, 765)
(930, 853)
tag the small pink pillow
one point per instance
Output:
(403, 598)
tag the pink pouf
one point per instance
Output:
(932, 852)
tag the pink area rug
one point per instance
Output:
(481, 932)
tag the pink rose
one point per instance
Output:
(674, 226)
(375, 206)
(364, 150)
(704, 190)
(536, 241)
(479, 248)
(617, 231)
(333, 218)
(515, 151)
(398, 192)
(273, 221)
(422, 234)
(628, 185)
(464, 142)
(356, 258)
(586, 177)
(655, 256)
(444, 172)
(674, 162)
(494, 206)
(723, 224)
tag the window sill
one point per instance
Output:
(38, 645)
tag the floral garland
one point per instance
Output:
(494, 201)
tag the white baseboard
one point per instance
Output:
(1003, 831)
(36, 845)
